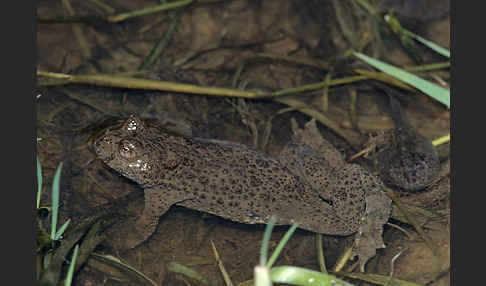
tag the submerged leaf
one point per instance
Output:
(181, 269)
(109, 259)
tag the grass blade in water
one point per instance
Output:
(181, 269)
(61, 230)
(438, 93)
(438, 49)
(69, 277)
(55, 200)
(266, 239)
(281, 245)
(39, 181)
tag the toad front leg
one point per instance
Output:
(157, 201)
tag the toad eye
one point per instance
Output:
(127, 149)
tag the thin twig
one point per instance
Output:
(442, 140)
(119, 17)
(383, 77)
(320, 253)
(392, 265)
(148, 84)
(226, 277)
(400, 229)
(88, 19)
(361, 153)
(325, 93)
(319, 85)
(343, 259)
(428, 67)
(151, 10)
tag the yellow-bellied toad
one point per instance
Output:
(309, 183)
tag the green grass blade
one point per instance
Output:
(320, 253)
(438, 93)
(69, 277)
(262, 276)
(39, 181)
(266, 239)
(438, 49)
(305, 277)
(55, 200)
(61, 230)
(281, 245)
